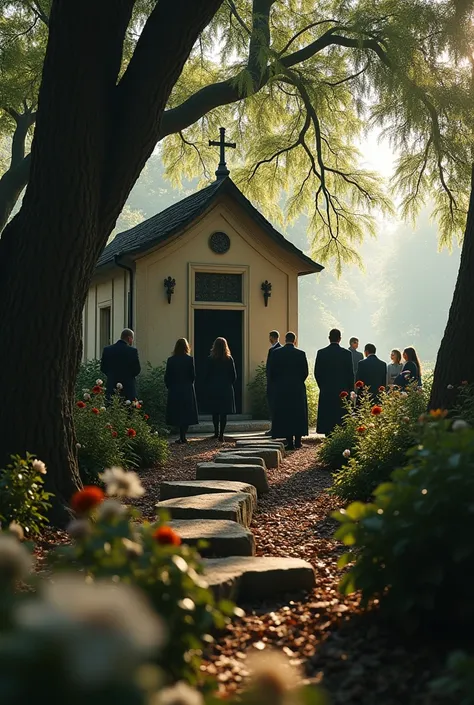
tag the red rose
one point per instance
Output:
(361, 429)
(95, 410)
(376, 410)
(81, 404)
(146, 417)
(96, 389)
(166, 536)
(86, 499)
(114, 434)
(359, 384)
(131, 433)
(381, 388)
(343, 395)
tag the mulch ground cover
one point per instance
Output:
(356, 657)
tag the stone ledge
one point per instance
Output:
(224, 538)
(245, 579)
(252, 474)
(271, 456)
(189, 488)
(234, 506)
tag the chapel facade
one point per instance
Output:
(210, 265)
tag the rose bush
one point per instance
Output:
(412, 546)
(23, 498)
(378, 436)
(118, 433)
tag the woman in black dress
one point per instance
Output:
(411, 370)
(220, 378)
(181, 406)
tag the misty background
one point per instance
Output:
(401, 298)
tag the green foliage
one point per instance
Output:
(464, 407)
(114, 434)
(87, 375)
(380, 441)
(458, 680)
(258, 393)
(344, 437)
(23, 499)
(412, 546)
(152, 391)
(312, 394)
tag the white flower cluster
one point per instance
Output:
(346, 453)
(120, 483)
(39, 466)
(99, 382)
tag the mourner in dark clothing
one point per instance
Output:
(274, 345)
(356, 355)
(334, 374)
(411, 371)
(181, 406)
(220, 378)
(121, 366)
(372, 372)
(288, 370)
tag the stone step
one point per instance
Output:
(234, 506)
(246, 445)
(244, 579)
(224, 538)
(271, 456)
(234, 459)
(188, 488)
(244, 426)
(255, 475)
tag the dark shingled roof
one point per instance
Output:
(172, 220)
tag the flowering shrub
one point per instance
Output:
(116, 434)
(382, 434)
(344, 437)
(412, 546)
(23, 499)
(109, 542)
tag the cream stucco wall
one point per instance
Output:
(159, 324)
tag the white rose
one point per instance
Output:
(346, 453)
(119, 386)
(99, 382)
(87, 396)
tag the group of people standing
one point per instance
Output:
(336, 370)
(339, 370)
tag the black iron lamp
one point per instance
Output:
(170, 284)
(267, 290)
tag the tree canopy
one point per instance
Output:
(297, 83)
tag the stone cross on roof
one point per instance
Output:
(222, 170)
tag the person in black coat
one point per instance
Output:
(411, 370)
(372, 372)
(121, 365)
(274, 345)
(181, 405)
(288, 371)
(220, 377)
(334, 374)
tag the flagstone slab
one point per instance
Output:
(271, 456)
(188, 488)
(255, 475)
(233, 506)
(261, 444)
(246, 579)
(224, 538)
(234, 459)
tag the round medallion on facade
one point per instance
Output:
(219, 243)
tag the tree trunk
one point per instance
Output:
(454, 363)
(12, 183)
(93, 136)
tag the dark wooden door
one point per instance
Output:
(209, 325)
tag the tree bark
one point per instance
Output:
(12, 183)
(80, 178)
(454, 363)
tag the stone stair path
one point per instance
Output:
(217, 508)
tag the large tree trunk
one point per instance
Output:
(92, 139)
(455, 359)
(12, 183)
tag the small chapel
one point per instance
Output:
(210, 265)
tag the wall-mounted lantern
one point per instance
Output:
(267, 291)
(170, 284)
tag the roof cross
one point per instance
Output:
(222, 170)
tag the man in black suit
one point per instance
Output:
(372, 372)
(288, 370)
(334, 374)
(121, 365)
(356, 355)
(275, 344)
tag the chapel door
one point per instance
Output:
(210, 324)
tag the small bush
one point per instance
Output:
(258, 393)
(381, 441)
(344, 437)
(23, 499)
(412, 545)
(116, 434)
(152, 391)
